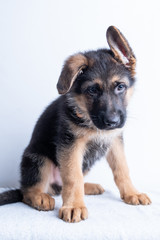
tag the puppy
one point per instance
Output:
(84, 124)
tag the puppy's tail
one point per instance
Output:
(11, 196)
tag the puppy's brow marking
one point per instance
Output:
(117, 78)
(99, 82)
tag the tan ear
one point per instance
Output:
(72, 67)
(121, 49)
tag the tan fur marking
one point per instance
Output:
(116, 78)
(81, 110)
(129, 94)
(132, 66)
(81, 103)
(80, 115)
(76, 61)
(99, 82)
(72, 178)
(93, 189)
(36, 196)
(94, 133)
(117, 162)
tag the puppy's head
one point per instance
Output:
(100, 83)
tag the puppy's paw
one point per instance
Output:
(75, 214)
(136, 199)
(40, 201)
(93, 189)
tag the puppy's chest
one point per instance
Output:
(95, 150)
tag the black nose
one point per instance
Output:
(112, 120)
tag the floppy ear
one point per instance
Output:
(72, 67)
(121, 49)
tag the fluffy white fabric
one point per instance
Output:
(109, 218)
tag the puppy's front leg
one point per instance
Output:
(118, 164)
(73, 209)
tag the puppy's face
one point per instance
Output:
(99, 83)
(103, 89)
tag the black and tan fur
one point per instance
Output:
(81, 126)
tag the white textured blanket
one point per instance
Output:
(109, 218)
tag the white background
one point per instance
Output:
(35, 39)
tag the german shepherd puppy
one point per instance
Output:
(77, 129)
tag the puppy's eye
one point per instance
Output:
(120, 88)
(93, 90)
